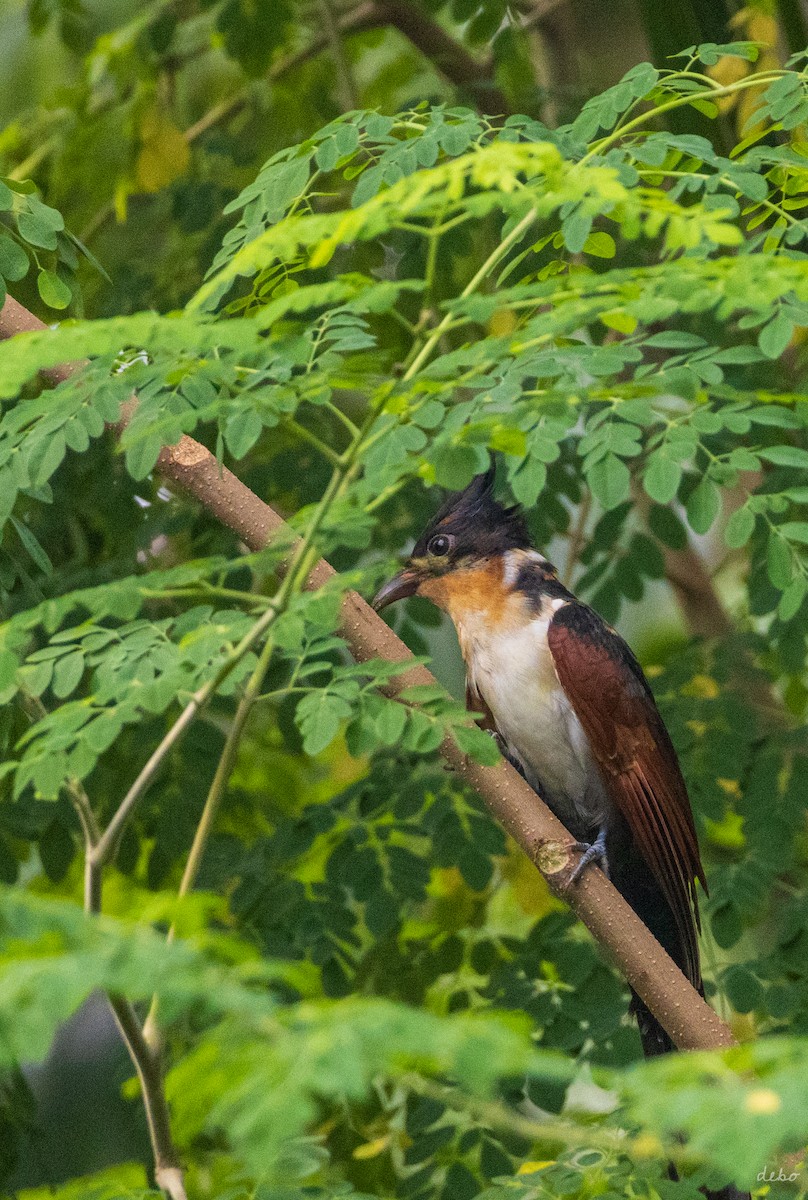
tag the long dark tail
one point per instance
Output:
(638, 887)
(636, 884)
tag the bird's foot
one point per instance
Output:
(592, 852)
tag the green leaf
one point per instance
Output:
(778, 558)
(619, 320)
(575, 229)
(101, 732)
(318, 717)
(9, 664)
(610, 481)
(662, 478)
(774, 414)
(36, 231)
(528, 481)
(422, 734)
(49, 774)
(390, 723)
(666, 525)
(726, 925)
(601, 245)
(785, 456)
(740, 527)
(53, 290)
(721, 232)
(792, 598)
(774, 337)
(35, 677)
(456, 465)
(37, 554)
(67, 673)
(674, 339)
(242, 431)
(13, 259)
(742, 988)
(795, 531)
(141, 456)
(47, 458)
(703, 505)
(476, 742)
(327, 155)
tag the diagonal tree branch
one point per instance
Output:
(691, 1023)
(449, 57)
(687, 1018)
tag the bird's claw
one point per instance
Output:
(591, 852)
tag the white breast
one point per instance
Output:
(511, 667)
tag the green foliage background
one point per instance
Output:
(370, 991)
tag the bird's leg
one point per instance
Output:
(592, 852)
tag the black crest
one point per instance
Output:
(481, 526)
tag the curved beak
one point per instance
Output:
(401, 585)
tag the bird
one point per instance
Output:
(570, 707)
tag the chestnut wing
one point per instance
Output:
(611, 698)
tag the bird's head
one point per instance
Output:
(471, 531)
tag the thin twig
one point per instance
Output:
(349, 95)
(576, 539)
(603, 143)
(168, 1171)
(498, 1116)
(320, 446)
(487, 267)
(106, 846)
(83, 808)
(210, 811)
(28, 165)
(295, 577)
(336, 411)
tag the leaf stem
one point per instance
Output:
(210, 811)
(83, 808)
(391, 490)
(168, 1172)
(341, 416)
(499, 1116)
(599, 146)
(28, 165)
(307, 436)
(205, 593)
(103, 850)
(493, 258)
(728, 183)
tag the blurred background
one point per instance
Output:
(140, 122)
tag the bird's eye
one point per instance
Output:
(440, 544)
